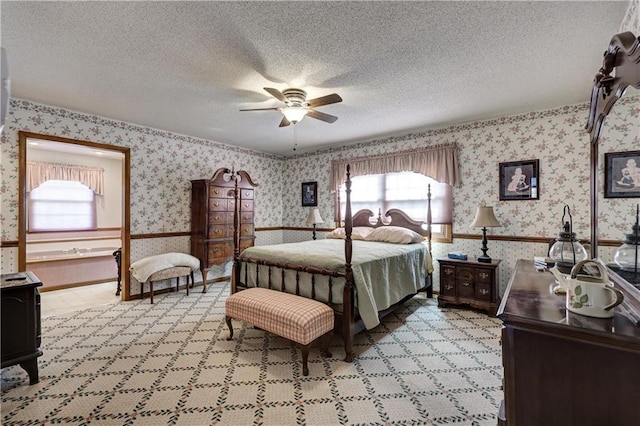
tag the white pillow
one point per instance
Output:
(395, 234)
(357, 233)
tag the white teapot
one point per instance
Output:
(589, 295)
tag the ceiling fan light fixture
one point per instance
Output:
(294, 114)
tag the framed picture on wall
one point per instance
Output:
(519, 180)
(622, 174)
(309, 194)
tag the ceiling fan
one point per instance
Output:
(297, 107)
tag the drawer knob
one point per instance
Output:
(216, 250)
(216, 204)
(484, 291)
(246, 205)
(216, 218)
(216, 231)
(449, 287)
(246, 217)
(247, 193)
(484, 275)
(448, 271)
(216, 191)
(466, 284)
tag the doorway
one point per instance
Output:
(58, 146)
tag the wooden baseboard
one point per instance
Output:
(46, 288)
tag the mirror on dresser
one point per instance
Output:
(618, 77)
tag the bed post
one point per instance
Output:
(429, 277)
(347, 297)
(235, 274)
(429, 217)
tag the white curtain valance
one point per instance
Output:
(439, 162)
(39, 172)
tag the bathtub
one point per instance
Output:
(73, 267)
(66, 254)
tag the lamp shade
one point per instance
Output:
(314, 217)
(294, 114)
(485, 218)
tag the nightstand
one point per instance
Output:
(469, 282)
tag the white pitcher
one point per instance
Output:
(589, 295)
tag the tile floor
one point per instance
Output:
(67, 300)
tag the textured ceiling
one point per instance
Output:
(188, 67)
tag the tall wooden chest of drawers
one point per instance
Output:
(212, 209)
(469, 282)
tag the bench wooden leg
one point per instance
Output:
(188, 284)
(305, 358)
(324, 345)
(151, 290)
(228, 319)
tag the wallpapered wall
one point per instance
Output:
(162, 165)
(556, 137)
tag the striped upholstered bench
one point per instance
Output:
(293, 317)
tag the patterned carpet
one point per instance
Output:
(170, 363)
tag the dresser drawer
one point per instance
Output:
(465, 288)
(218, 204)
(465, 274)
(448, 287)
(484, 275)
(217, 231)
(246, 217)
(246, 229)
(218, 218)
(246, 194)
(219, 192)
(483, 291)
(448, 272)
(219, 250)
(246, 205)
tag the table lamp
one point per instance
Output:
(485, 218)
(313, 219)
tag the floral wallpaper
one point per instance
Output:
(163, 163)
(556, 137)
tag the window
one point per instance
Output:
(406, 191)
(59, 205)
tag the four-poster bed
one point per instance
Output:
(361, 280)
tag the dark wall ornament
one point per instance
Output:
(309, 194)
(519, 180)
(622, 174)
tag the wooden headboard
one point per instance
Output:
(395, 218)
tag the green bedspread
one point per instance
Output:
(383, 273)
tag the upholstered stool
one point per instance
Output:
(293, 317)
(167, 274)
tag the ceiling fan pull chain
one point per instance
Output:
(295, 136)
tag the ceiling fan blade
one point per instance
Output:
(284, 122)
(260, 109)
(276, 94)
(325, 100)
(321, 116)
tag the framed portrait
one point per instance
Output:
(622, 174)
(309, 194)
(519, 180)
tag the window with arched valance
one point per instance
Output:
(39, 172)
(438, 162)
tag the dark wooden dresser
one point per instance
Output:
(469, 282)
(21, 322)
(562, 368)
(212, 209)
